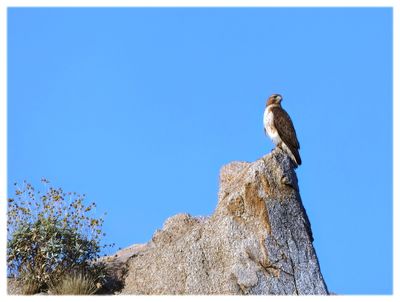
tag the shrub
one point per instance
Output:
(50, 234)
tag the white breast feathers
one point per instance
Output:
(269, 126)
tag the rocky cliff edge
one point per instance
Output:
(258, 241)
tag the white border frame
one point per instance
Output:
(5, 4)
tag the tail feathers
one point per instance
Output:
(293, 153)
(297, 156)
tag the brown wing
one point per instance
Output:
(285, 128)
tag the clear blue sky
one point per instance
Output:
(140, 108)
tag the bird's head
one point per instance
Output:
(274, 99)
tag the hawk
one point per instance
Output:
(279, 127)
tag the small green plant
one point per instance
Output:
(75, 283)
(50, 234)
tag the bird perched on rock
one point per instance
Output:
(279, 127)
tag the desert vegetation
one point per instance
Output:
(54, 241)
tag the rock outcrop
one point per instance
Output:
(258, 241)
